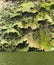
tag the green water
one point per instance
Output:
(26, 58)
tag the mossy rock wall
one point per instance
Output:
(27, 25)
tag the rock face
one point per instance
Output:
(26, 25)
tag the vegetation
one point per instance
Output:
(27, 25)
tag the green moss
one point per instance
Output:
(30, 21)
